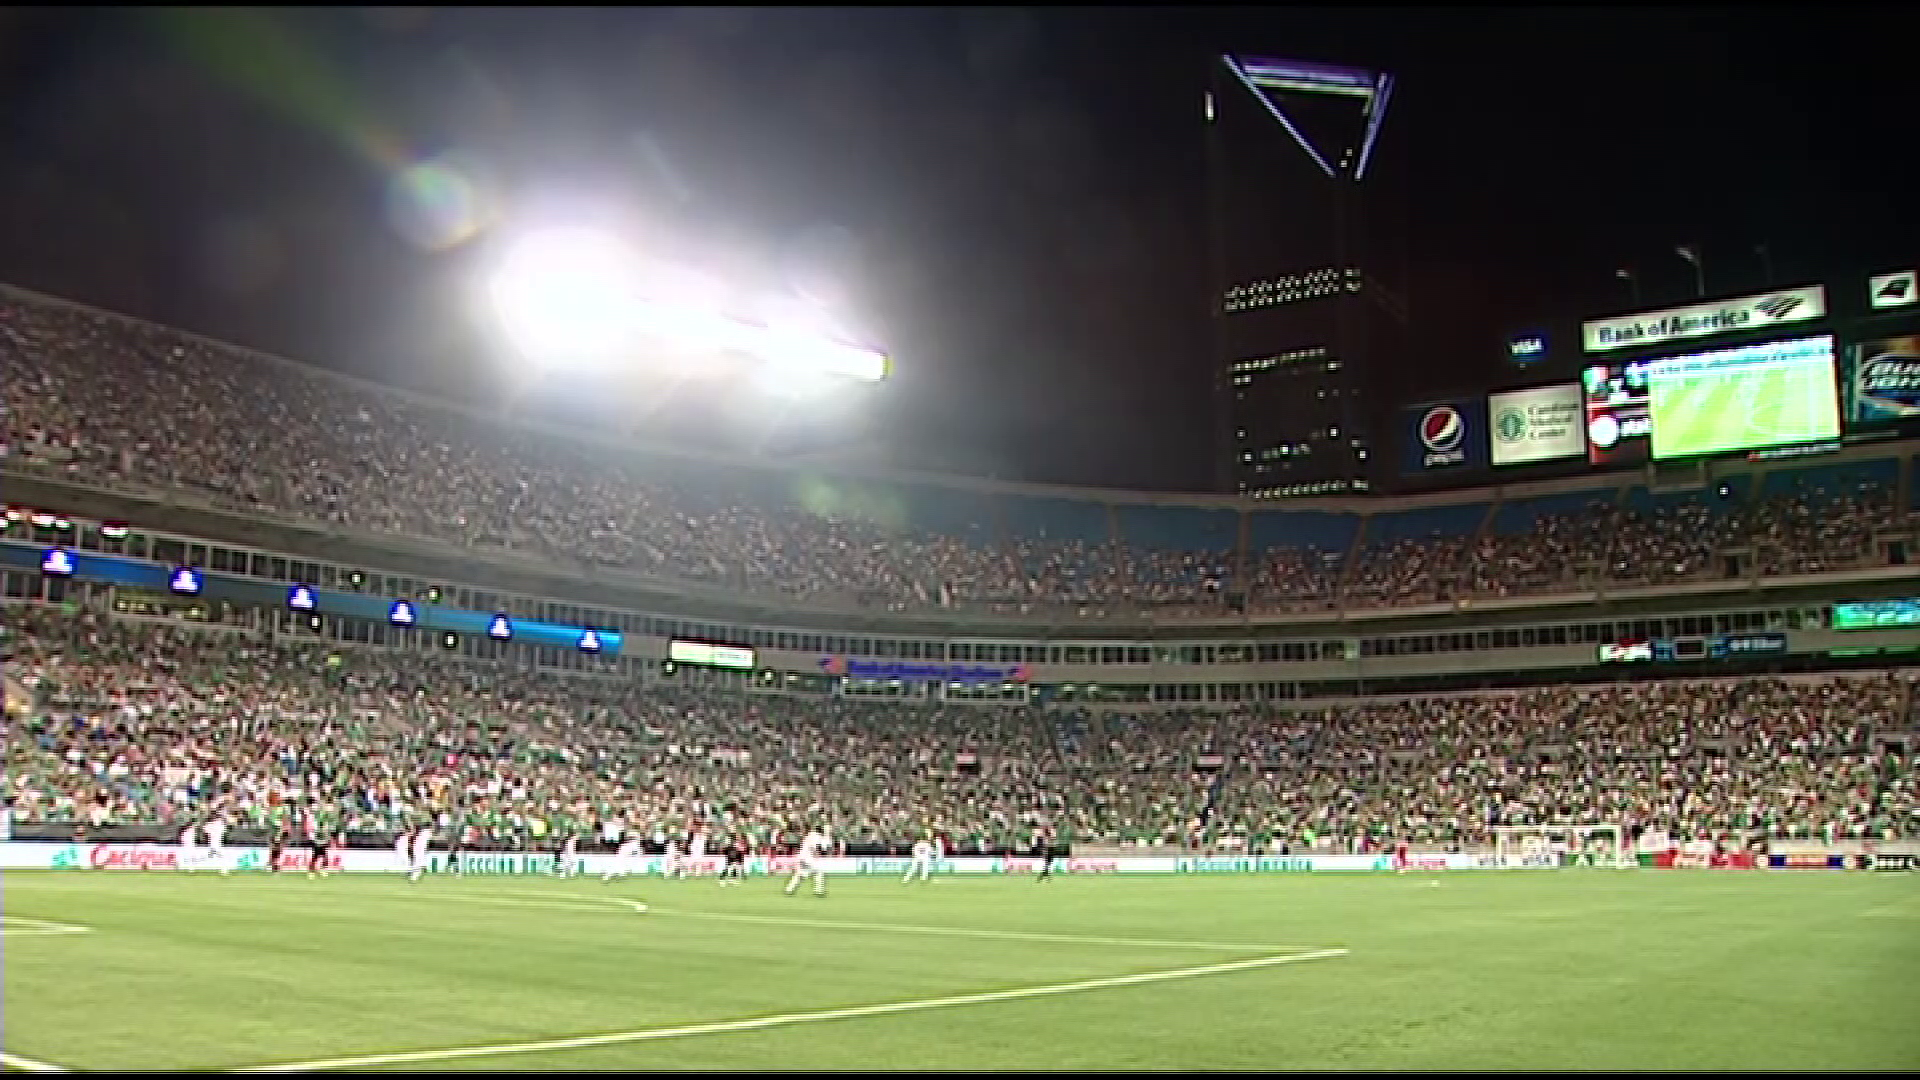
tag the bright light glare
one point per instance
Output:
(577, 298)
(568, 296)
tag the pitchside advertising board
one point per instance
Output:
(1444, 436)
(1541, 424)
(42, 855)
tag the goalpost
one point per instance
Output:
(1588, 843)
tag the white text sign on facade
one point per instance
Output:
(1780, 307)
(1544, 423)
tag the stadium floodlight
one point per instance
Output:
(574, 297)
(568, 296)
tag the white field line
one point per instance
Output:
(15, 1061)
(788, 1019)
(600, 905)
(936, 931)
(21, 926)
(580, 902)
(961, 931)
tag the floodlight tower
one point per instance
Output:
(1302, 315)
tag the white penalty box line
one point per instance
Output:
(789, 1019)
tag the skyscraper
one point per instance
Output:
(1306, 301)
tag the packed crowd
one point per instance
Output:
(120, 403)
(137, 721)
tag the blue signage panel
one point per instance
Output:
(309, 599)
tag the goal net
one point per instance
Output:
(1575, 844)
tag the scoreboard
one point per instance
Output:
(1709, 647)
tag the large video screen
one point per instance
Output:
(1744, 398)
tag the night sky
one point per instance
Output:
(1011, 199)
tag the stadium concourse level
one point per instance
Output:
(122, 404)
(155, 724)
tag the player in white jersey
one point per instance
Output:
(811, 859)
(403, 849)
(626, 860)
(922, 865)
(422, 844)
(674, 865)
(569, 857)
(190, 847)
(696, 850)
(216, 833)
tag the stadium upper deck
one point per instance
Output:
(100, 400)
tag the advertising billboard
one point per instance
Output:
(1443, 435)
(1541, 424)
(1746, 397)
(1758, 312)
(1752, 396)
(707, 654)
(1618, 423)
(1882, 381)
(1527, 348)
(1876, 614)
(1894, 290)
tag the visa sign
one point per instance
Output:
(1758, 312)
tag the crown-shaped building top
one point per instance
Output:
(1332, 112)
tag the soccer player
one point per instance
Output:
(735, 870)
(567, 859)
(422, 842)
(922, 864)
(216, 832)
(674, 865)
(626, 860)
(811, 859)
(1400, 859)
(316, 850)
(696, 849)
(276, 848)
(189, 846)
(403, 849)
(1043, 851)
(461, 835)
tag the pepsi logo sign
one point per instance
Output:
(1440, 434)
(1442, 428)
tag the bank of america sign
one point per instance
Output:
(1757, 312)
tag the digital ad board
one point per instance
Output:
(1543, 423)
(1882, 382)
(1443, 436)
(1744, 397)
(1617, 420)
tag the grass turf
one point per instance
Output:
(1571, 969)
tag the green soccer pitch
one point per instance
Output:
(1741, 410)
(1573, 969)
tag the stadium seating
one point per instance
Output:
(147, 722)
(114, 402)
